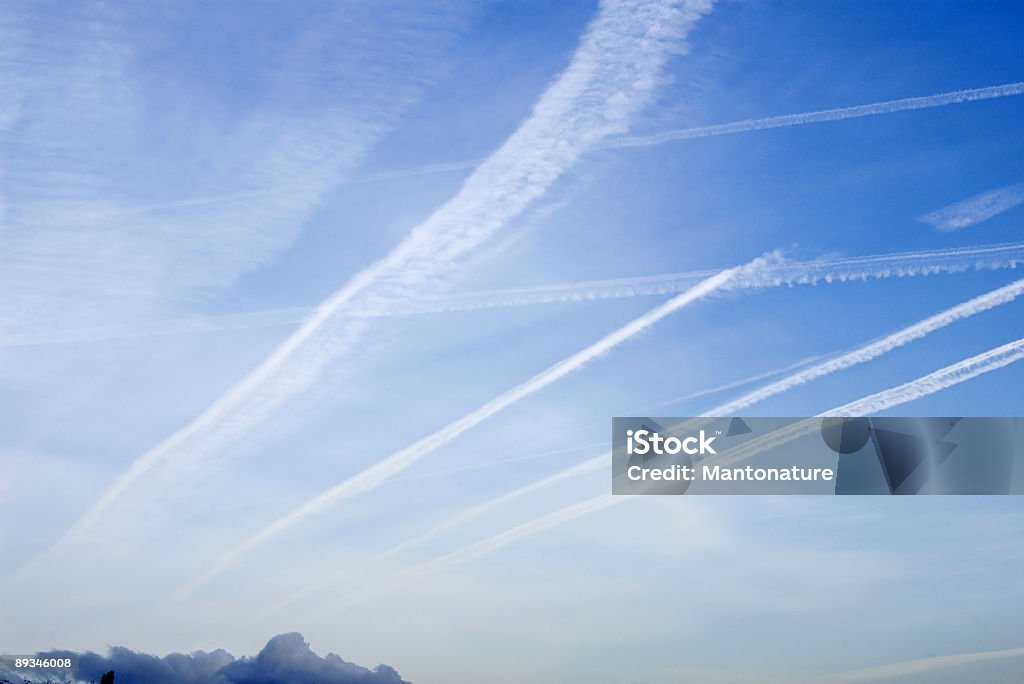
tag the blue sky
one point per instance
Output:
(171, 173)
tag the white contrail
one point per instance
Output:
(383, 470)
(976, 209)
(954, 374)
(500, 461)
(936, 381)
(785, 272)
(877, 348)
(780, 271)
(609, 78)
(802, 363)
(912, 667)
(493, 543)
(838, 114)
(514, 534)
(584, 468)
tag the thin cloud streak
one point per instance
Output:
(727, 386)
(517, 533)
(610, 77)
(587, 467)
(912, 667)
(499, 462)
(782, 272)
(821, 116)
(980, 207)
(487, 545)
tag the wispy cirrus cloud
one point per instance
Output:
(91, 139)
(977, 208)
(919, 666)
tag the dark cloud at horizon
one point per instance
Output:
(286, 659)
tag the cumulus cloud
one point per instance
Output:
(286, 659)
